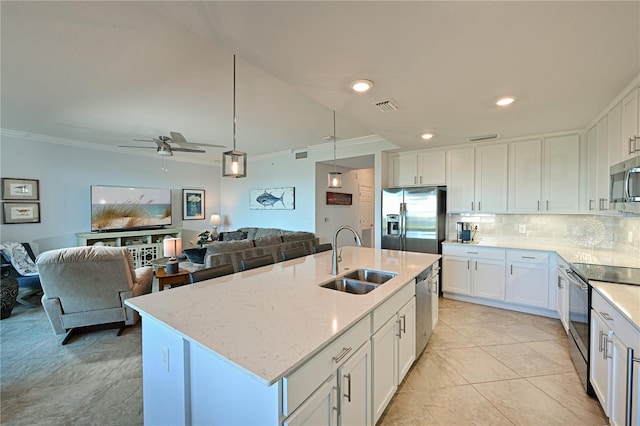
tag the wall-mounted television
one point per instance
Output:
(118, 208)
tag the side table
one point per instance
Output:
(164, 279)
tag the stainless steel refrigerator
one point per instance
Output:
(413, 219)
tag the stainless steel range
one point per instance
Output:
(580, 308)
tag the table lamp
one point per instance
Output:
(215, 220)
(172, 247)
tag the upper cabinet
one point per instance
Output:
(544, 175)
(419, 169)
(477, 179)
(631, 125)
(598, 166)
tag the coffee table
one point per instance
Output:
(164, 279)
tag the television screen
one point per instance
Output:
(123, 208)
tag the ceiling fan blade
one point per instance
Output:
(144, 140)
(132, 146)
(188, 150)
(177, 138)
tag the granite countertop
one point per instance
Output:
(625, 298)
(269, 321)
(570, 254)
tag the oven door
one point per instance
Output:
(579, 325)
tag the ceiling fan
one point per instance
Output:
(165, 149)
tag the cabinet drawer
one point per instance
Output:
(300, 384)
(531, 256)
(625, 331)
(473, 251)
(389, 308)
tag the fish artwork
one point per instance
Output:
(268, 199)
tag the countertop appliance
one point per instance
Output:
(578, 277)
(625, 185)
(413, 219)
(424, 314)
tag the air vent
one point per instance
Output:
(301, 155)
(387, 106)
(482, 137)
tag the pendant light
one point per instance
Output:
(234, 163)
(335, 177)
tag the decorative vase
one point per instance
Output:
(8, 295)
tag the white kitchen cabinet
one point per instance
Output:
(616, 144)
(392, 346)
(525, 176)
(528, 278)
(473, 271)
(630, 125)
(561, 179)
(354, 388)
(461, 180)
(317, 410)
(611, 337)
(598, 167)
(421, 168)
(491, 179)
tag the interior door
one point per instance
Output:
(366, 214)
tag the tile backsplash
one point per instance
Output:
(560, 230)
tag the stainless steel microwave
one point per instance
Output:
(625, 181)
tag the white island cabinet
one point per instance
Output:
(270, 346)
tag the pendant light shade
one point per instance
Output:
(334, 177)
(234, 163)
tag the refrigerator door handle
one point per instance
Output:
(403, 228)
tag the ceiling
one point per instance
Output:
(104, 73)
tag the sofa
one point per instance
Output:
(244, 243)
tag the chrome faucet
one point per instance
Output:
(334, 263)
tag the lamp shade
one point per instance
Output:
(172, 247)
(215, 219)
(234, 164)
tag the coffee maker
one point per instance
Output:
(464, 232)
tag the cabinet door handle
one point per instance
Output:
(420, 179)
(600, 335)
(547, 205)
(479, 206)
(472, 206)
(342, 354)
(590, 202)
(337, 406)
(606, 316)
(399, 322)
(538, 205)
(528, 257)
(348, 394)
(511, 272)
(472, 252)
(630, 149)
(468, 266)
(476, 265)
(629, 403)
(404, 324)
(415, 180)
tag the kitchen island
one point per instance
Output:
(252, 347)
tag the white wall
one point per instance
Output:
(281, 170)
(330, 217)
(66, 173)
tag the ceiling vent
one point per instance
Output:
(482, 138)
(302, 154)
(387, 106)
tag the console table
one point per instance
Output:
(144, 245)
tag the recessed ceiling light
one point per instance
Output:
(361, 86)
(427, 136)
(507, 100)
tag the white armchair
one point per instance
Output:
(85, 286)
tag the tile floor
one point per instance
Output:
(483, 366)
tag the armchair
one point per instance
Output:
(18, 263)
(85, 286)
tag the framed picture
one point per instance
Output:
(21, 213)
(20, 189)
(339, 199)
(192, 204)
(272, 199)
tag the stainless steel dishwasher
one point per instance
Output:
(424, 318)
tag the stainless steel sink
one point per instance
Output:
(349, 286)
(370, 276)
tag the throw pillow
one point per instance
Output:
(233, 236)
(195, 255)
